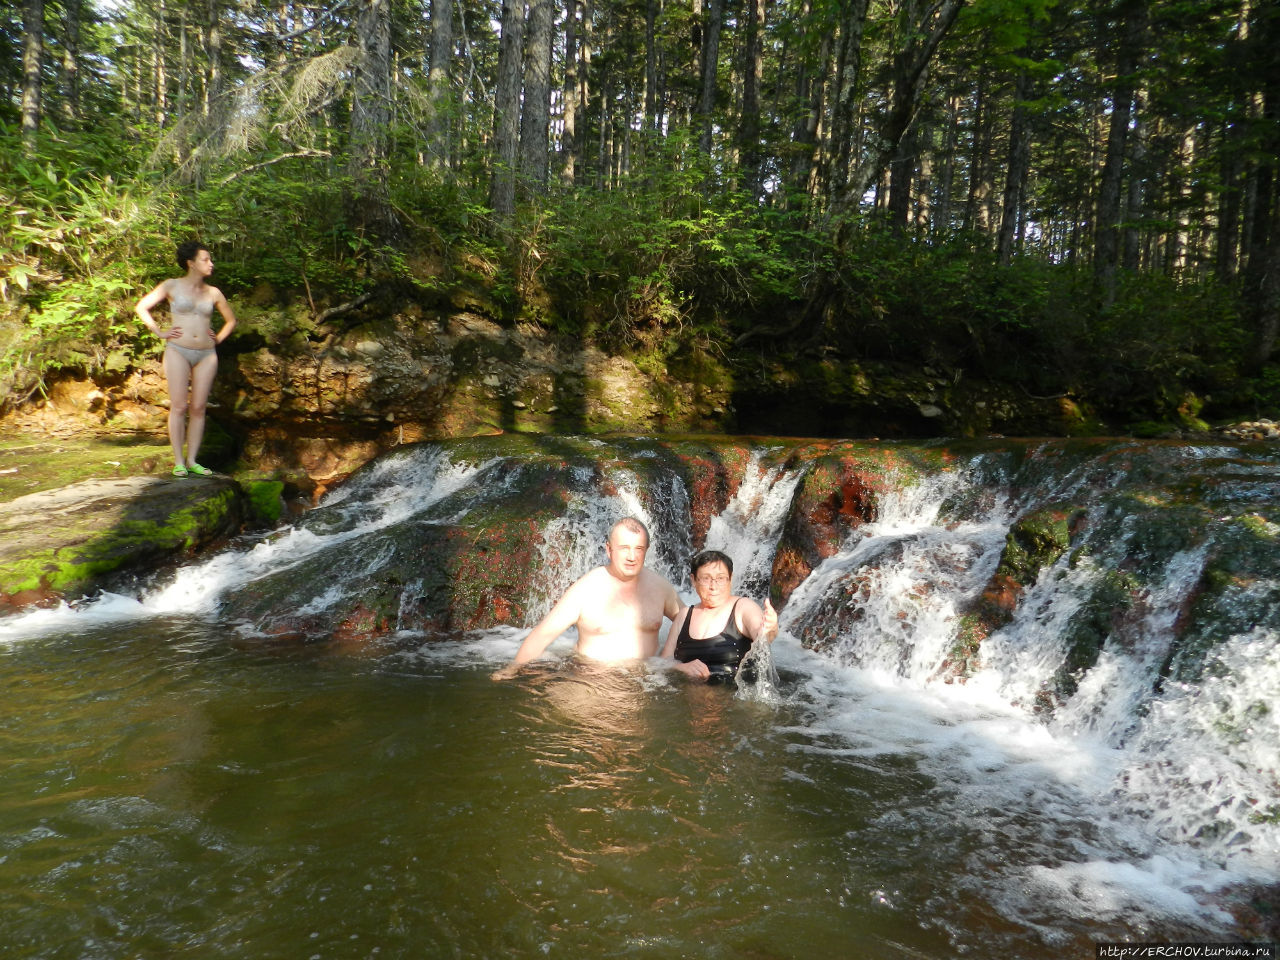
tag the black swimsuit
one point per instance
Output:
(721, 653)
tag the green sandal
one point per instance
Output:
(200, 471)
(179, 471)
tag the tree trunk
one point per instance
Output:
(159, 72)
(650, 64)
(32, 57)
(438, 82)
(213, 53)
(710, 60)
(942, 215)
(978, 202)
(184, 64)
(1181, 253)
(810, 90)
(910, 68)
(1229, 209)
(1262, 282)
(1262, 271)
(1017, 166)
(1131, 254)
(569, 138)
(924, 194)
(71, 62)
(844, 112)
(752, 76)
(506, 107)
(1106, 252)
(901, 172)
(535, 119)
(370, 118)
(585, 42)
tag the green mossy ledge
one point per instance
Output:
(65, 544)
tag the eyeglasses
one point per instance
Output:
(713, 581)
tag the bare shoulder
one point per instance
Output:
(656, 582)
(593, 579)
(215, 293)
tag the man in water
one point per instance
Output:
(617, 608)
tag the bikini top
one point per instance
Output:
(181, 303)
(721, 652)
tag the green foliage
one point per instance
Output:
(655, 265)
(68, 245)
(661, 257)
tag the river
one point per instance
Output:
(177, 784)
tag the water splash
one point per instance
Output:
(757, 677)
(1205, 762)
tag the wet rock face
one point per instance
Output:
(714, 474)
(66, 543)
(839, 493)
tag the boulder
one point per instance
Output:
(69, 542)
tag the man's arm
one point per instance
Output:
(669, 648)
(563, 615)
(671, 605)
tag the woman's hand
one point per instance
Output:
(769, 622)
(173, 333)
(694, 668)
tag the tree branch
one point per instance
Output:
(267, 163)
(346, 307)
(324, 15)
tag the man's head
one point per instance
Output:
(626, 546)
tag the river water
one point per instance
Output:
(175, 786)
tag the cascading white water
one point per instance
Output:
(393, 488)
(1199, 760)
(888, 599)
(749, 526)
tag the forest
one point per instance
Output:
(1076, 198)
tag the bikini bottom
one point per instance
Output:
(193, 355)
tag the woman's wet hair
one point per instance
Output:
(708, 557)
(187, 252)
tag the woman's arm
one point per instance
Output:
(147, 304)
(694, 668)
(228, 317)
(756, 623)
(677, 624)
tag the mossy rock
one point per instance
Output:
(66, 543)
(265, 501)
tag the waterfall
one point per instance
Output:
(749, 526)
(1089, 653)
(888, 600)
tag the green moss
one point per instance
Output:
(265, 500)
(31, 463)
(75, 567)
(1092, 626)
(1035, 542)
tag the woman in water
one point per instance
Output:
(710, 638)
(190, 355)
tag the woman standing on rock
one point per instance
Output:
(190, 354)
